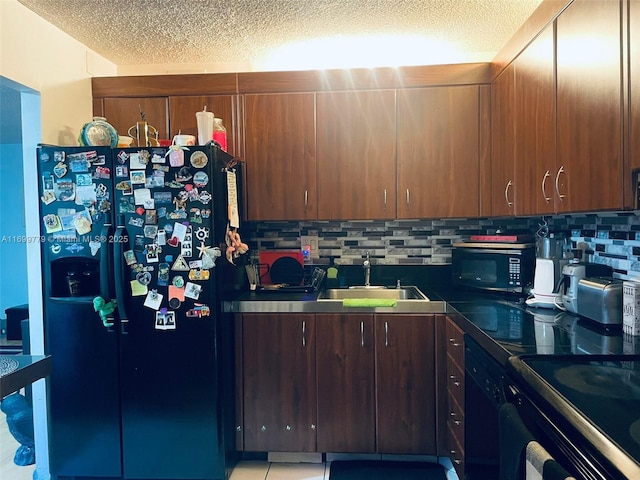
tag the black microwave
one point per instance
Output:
(504, 267)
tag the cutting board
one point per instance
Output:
(268, 257)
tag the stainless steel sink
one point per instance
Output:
(402, 293)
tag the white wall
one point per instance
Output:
(37, 54)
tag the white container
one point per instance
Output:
(631, 307)
(184, 140)
(205, 126)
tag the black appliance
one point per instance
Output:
(140, 391)
(584, 410)
(502, 267)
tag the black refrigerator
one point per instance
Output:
(134, 273)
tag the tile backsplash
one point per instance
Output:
(610, 238)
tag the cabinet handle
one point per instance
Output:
(544, 181)
(386, 334)
(506, 194)
(362, 334)
(385, 197)
(408, 197)
(560, 196)
(452, 341)
(306, 198)
(304, 333)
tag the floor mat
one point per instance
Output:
(385, 470)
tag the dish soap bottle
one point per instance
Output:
(220, 133)
(332, 276)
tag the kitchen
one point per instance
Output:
(625, 223)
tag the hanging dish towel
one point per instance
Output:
(541, 466)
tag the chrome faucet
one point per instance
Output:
(367, 271)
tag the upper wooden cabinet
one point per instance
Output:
(535, 132)
(280, 151)
(589, 107)
(124, 112)
(182, 115)
(503, 144)
(356, 142)
(438, 152)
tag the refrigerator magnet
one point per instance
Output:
(180, 265)
(200, 179)
(138, 177)
(165, 320)
(139, 160)
(194, 215)
(126, 205)
(94, 246)
(122, 171)
(192, 290)
(180, 231)
(150, 231)
(102, 173)
(176, 157)
(138, 289)
(144, 278)
(163, 274)
(153, 300)
(153, 253)
(59, 156)
(198, 275)
(130, 257)
(52, 223)
(125, 187)
(60, 170)
(48, 197)
(198, 159)
(141, 195)
(161, 237)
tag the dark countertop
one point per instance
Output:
(17, 371)
(501, 323)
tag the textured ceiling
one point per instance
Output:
(141, 32)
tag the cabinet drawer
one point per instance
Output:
(456, 448)
(455, 378)
(455, 343)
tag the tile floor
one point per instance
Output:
(263, 470)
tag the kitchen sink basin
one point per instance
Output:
(402, 293)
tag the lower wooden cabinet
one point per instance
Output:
(405, 384)
(356, 383)
(346, 389)
(278, 382)
(455, 395)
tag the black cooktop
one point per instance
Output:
(606, 390)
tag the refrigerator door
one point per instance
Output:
(84, 401)
(168, 347)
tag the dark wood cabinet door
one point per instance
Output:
(438, 151)
(182, 115)
(503, 188)
(634, 94)
(589, 117)
(405, 384)
(346, 406)
(280, 153)
(535, 159)
(356, 138)
(279, 378)
(123, 113)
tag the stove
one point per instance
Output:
(584, 408)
